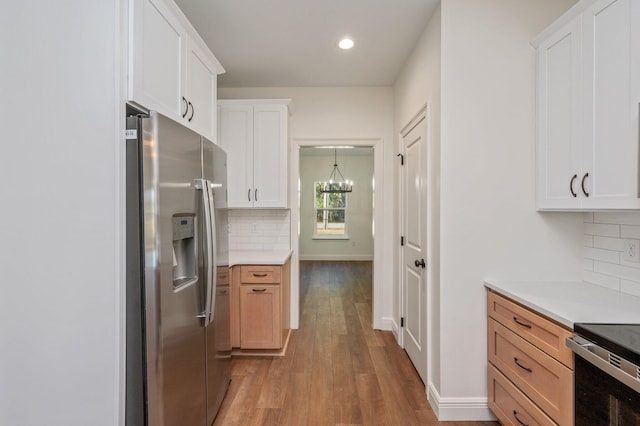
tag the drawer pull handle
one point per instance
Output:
(259, 290)
(522, 366)
(515, 415)
(260, 275)
(521, 323)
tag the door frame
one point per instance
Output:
(430, 244)
(378, 220)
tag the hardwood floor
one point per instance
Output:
(337, 370)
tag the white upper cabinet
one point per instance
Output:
(201, 93)
(559, 98)
(255, 135)
(588, 104)
(170, 68)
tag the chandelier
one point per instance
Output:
(332, 185)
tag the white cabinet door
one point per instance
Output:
(588, 107)
(559, 118)
(270, 148)
(201, 91)
(235, 129)
(170, 68)
(157, 47)
(255, 135)
(611, 76)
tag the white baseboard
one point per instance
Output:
(395, 328)
(384, 323)
(459, 409)
(337, 257)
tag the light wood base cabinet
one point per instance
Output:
(511, 406)
(530, 371)
(260, 316)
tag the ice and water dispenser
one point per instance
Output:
(184, 250)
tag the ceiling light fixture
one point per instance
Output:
(333, 187)
(346, 43)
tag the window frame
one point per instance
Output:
(316, 235)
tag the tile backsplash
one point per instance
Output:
(258, 229)
(605, 241)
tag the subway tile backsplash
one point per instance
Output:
(259, 229)
(605, 236)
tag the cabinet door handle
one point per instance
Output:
(259, 275)
(255, 194)
(521, 323)
(249, 194)
(186, 107)
(259, 290)
(193, 111)
(586, 175)
(573, 179)
(515, 415)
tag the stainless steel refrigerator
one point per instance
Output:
(178, 337)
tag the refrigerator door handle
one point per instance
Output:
(204, 186)
(212, 258)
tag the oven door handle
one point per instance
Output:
(584, 349)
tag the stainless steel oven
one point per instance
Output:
(607, 374)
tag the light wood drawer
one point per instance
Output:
(260, 274)
(541, 332)
(544, 380)
(510, 405)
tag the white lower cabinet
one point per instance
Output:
(170, 69)
(255, 135)
(588, 109)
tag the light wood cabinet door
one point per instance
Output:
(260, 322)
(234, 308)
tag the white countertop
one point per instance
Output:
(250, 257)
(572, 302)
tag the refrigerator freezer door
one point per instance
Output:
(176, 353)
(218, 339)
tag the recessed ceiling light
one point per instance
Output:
(345, 43)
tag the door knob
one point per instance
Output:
(420, 263)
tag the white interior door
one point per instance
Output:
(414, 254)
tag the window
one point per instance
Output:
(331, 214)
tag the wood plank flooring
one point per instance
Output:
(337, 369)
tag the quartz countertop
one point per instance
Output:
(572, 302)
(251, 257)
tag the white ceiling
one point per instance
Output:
(293, 43)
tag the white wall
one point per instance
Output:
(475, 66)
(417, 85)
(344, 114)
(61, 221)
(489, 226)
(356, 167)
